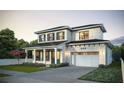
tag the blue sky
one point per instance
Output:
(25, 23)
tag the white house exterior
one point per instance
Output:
(79, 46)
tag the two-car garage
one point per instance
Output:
(90, 59)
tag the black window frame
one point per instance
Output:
(59, 37)
(47, 55)
(42, 38)
(50, 37)
(84, 36)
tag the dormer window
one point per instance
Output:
(42, 38)
(60, 36)
(50, 37)
(84, 35)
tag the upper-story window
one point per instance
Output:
(60, 36)
(42, 38)
(50, 37)
(83, 35)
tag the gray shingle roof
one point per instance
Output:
(87, 41)
(89, 26)
(53, 29)
(72, 28)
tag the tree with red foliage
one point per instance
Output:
(17, 53)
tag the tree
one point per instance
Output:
(122, 51)
(21, 44)
(34, 42)
(122, 45)
(17, 53)
(116, 53)
(7, 42)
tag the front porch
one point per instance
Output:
(44, 55)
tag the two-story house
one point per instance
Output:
(79, 46)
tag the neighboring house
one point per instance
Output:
(79, 46)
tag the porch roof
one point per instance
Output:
(73, 28)
(40, 47)
(48, 45)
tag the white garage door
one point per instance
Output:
(85, 59)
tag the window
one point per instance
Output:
(30, 55)
(38, 55)
(42, 38)
(50, 37)
(47, 55)
(83, 35)
(60, 36)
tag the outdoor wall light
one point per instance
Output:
(67, 53)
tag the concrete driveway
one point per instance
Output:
(58, 75)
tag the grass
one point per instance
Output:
(22, 68)
(31, 67)
(107, 74)
(3, 75)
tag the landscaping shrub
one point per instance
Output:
(108, 73)
(101, 66)
(59, 65)
(116, 53)
(63, 64)
(53, 65)
(122, 54)
(115, 64)
(34, 64)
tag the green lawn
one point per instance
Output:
(107, 74)
(3, 75)
(22, 68)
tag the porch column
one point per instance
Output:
(41, 56)
(55, 54)
(26, 55)
(34, 55)
(44, 55)
(50, 57)
(61, 56)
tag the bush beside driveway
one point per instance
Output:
(107, 74)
